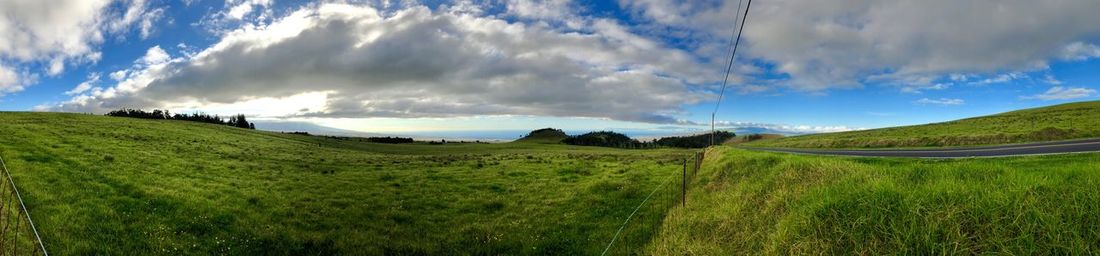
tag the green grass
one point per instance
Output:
(16, 234)
(1060, 122)
(103, 185)
(747, 202)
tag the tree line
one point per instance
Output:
(695, 141)
(238, 120)
(619, 140)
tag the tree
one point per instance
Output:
(601, 138)
(239, 121)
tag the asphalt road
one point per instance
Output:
(1072, 146)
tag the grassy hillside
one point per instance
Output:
(545, 135)
(104, 185)
(1060, 122)
(747, 202)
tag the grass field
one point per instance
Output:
(103, 185)
(176, 187)
(747, 202)
(1060, 122)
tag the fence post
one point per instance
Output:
(696, 162)
(683, 186)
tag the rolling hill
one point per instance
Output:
(185, 188)
(1059, 122)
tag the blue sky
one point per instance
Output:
(453, 67)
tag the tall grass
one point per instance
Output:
(771, 203)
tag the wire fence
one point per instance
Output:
(18, 236)
(641, 225)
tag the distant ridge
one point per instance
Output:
(1051, 123)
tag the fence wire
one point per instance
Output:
(18, 235)
(677, 196)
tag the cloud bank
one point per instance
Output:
(417, 62)
(551, 58)
(843, 44)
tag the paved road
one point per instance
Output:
(1072, 146)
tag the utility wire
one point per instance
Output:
(729, 66)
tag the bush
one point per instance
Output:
(390, 140)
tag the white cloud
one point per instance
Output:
(60, 33)
(259, 107)
(239, 11)
(1002, 78)
(418, 63)
(148, 21)
(84, 86)
(1063, 93)
(840, 44)
(1048, 78)
(537, 9)
(155, 55)
(751, 89)
(236, 12)
(9, 81)
(1080, 51)
(783, 128)
(118, 75)
(940, 101)
(916, 89)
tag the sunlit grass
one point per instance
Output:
(747, 202)
(104, 185)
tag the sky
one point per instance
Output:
(449, 68)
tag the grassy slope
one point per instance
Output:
(545, 136)
(100, 185)
(746, 202)
(1060, 122)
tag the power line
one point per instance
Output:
(729, 66)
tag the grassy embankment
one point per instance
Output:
(102, 185)
(747, 202)
(1060, 122)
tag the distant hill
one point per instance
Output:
(545, 135)
(293, 126)
(1058, 122)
